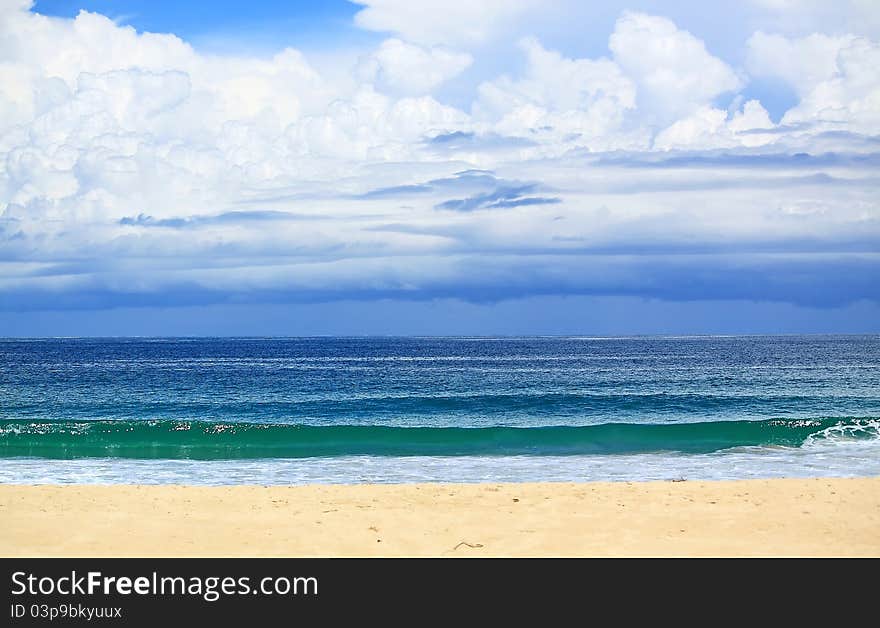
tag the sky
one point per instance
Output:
(425, 167)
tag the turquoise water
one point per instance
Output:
(447, 409)
(220, 441)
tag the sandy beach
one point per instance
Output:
(780, 517)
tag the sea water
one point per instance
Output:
(304, 410)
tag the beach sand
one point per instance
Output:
(780, 517)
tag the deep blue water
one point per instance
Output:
(343, 409)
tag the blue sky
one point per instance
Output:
(262, 26)
(259, 25)
(439, 167)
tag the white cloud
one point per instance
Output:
(153, 164)
(803, 63)
(582, 99)
(371, 126)
(836, 78)
(98, 116)
(559, 84)
(709, 128)
(861, 17)
(406, 68)
(850, 100)
(447, 22)
(752, 117)
(659, 76)
(676, 75)
(36, 48)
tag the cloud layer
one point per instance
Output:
(137, 170)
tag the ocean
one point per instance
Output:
(349, 410)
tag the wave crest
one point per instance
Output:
(238, 440)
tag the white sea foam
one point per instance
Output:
(836, 454)
(843, 434)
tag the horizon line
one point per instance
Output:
(449, 336)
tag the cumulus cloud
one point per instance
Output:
(835, 77)
(583, 99)
(99, 117)
(658, 76)
(136, 169)
(411, 69)
(371, 126)
(675, 73)
(442, 21)
(803, 62)
(861, 17)
(710, 128)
